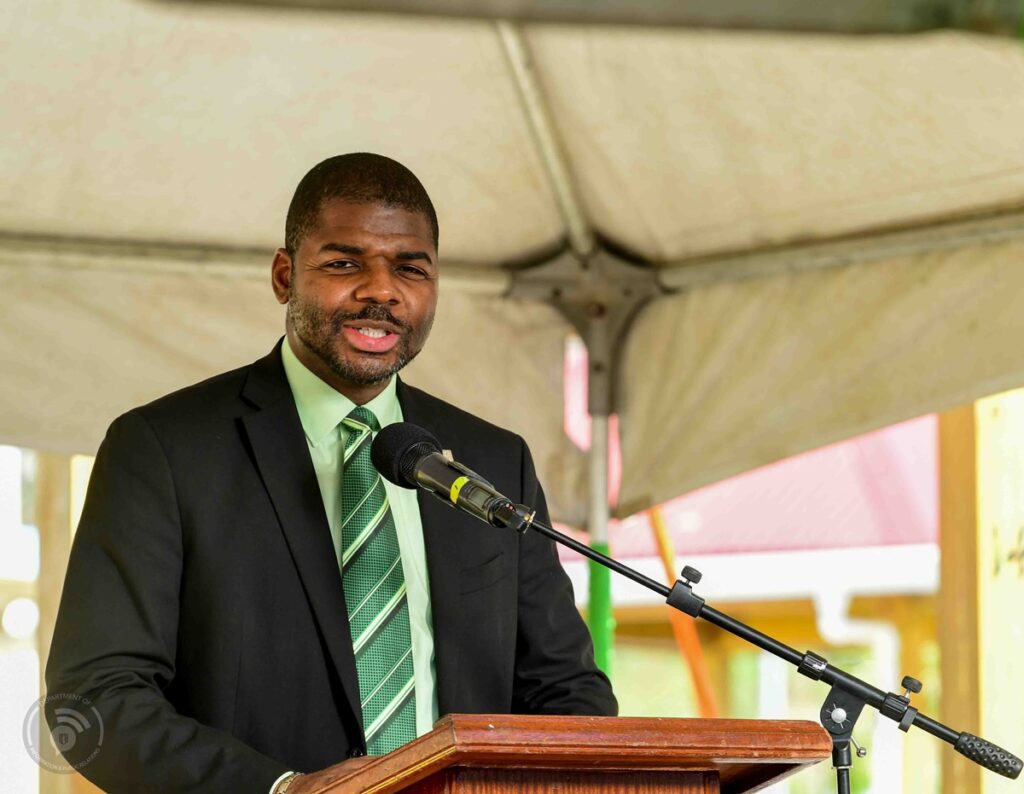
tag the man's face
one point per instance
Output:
(361, 294)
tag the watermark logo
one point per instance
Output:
(74, 740)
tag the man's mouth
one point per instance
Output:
(370, 339)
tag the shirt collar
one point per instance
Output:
(321, 408)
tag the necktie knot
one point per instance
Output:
(362, 420)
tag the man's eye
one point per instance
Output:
(339, 264)
(411, 271)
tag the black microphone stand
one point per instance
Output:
(848, 694)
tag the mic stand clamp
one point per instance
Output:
(838, 715)
(682, 597)
(504, 513)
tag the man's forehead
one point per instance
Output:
(371, 220)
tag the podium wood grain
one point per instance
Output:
(487, 754)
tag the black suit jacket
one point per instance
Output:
(203, 613)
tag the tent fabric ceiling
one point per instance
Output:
(146, 122)
(154, 122)
(686, 144)
(765, 368)
(151, 121)
(82, 346)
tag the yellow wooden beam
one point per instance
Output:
(958, 590)
(57, 508)
(999, 437)
(981, 478)
(53, 516)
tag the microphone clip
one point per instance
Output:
(514, 516)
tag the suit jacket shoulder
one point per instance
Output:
(438, 412)
(219, 395)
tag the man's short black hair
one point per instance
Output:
(358, 178)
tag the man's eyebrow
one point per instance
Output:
(413, 255)
(342, 248)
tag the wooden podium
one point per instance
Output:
(487, 754)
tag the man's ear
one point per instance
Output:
(281, 271)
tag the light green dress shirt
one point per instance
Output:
(321, 410)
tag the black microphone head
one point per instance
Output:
(398, 449)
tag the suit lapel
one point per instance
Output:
(282, 457)
(443, 562)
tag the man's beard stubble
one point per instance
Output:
(319, 331)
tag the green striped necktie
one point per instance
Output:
(378, 610)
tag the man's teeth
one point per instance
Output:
(373, 333)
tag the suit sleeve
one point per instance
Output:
(555, 672)
(116, 634)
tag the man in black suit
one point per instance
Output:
(206, 613)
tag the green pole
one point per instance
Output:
(599, 614)
(599, 604)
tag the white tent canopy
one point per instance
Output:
(150, 151)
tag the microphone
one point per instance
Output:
(410, 456)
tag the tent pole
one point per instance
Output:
(545, 137)
(599, 602)
(599, 292)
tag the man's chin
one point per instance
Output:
(367, 373)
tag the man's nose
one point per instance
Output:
(377, 284)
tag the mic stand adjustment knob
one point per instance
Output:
(910, 685)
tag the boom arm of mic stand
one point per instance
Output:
(848, 695)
